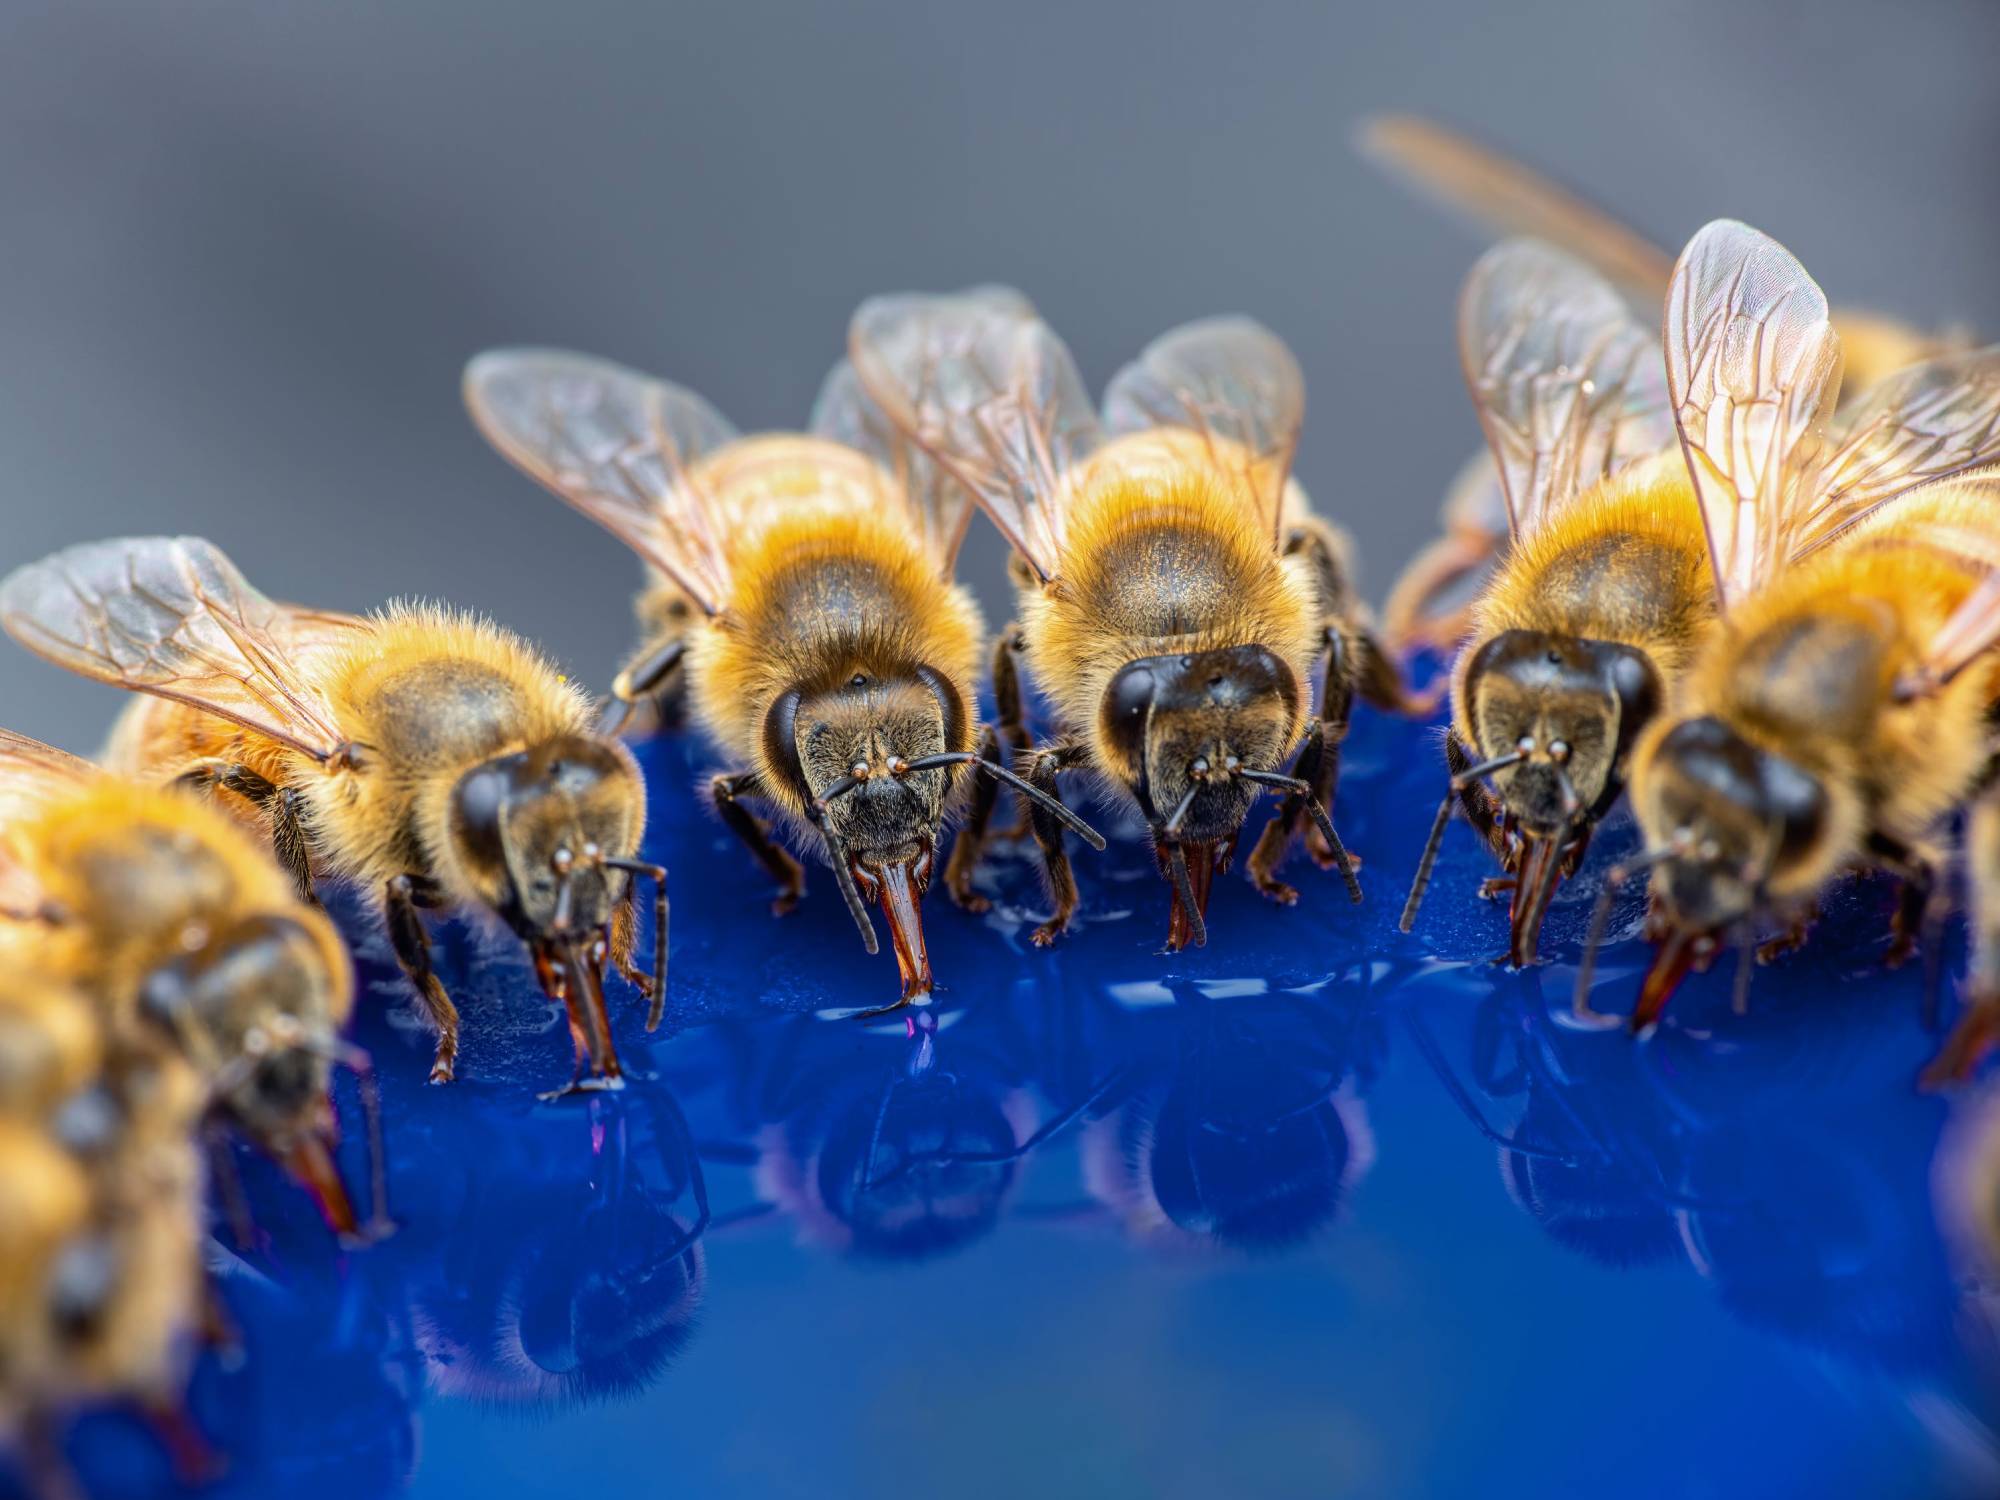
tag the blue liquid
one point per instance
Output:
(1323, 1210)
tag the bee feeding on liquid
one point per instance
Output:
(430, 755)
(1844, 709)
(835, 661)
(185, 934)
(1603, 593)
(1176, 591)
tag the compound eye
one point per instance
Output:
(1127, 702)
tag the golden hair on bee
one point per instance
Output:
(1841, 711)
(832, 659)
(423, 752)
(1177, 592)
(1599, 601)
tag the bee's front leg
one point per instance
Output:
(1917, 869)
(413, 951)
(971, 841)
(1010, 716)
(283, 806)
(1068, 753)
(726, 792)
(652, 674)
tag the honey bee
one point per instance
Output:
(836, 661)
(428, 754)
(1429, 606)
(1176, 591)
(1603, 593)
(181, 930)
(1844, 709)
(100, 1223)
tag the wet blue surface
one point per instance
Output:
(1320, 1210)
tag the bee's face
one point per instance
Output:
(1736, 815)
(531, 830)
(869, 724)
(1179, 727)
(1572, 707)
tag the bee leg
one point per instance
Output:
(193, 1460)
(413, 952)
(725, 792)
(280, 804)
(1009, 714)
(1380, 683)
(653, 674)
(1978, 1029)
(1041, 769)
(1473, 798)
(1791, 939)
(971, 840)
(1917, 869)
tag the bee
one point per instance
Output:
(835, 661)
(178, 926)
(1176, 590)
(1603, 593)
(1843, 710)
(1429, 605)
(428, 754)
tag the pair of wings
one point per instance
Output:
(173, 616)
(986, 388)
(645, 459)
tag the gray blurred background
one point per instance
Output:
(248, 246)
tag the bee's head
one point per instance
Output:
(533, 832)
(846, 753)
(255, 1005)
(1726, 819)
(1180, 729)
(1569, 709)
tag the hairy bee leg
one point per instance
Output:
(1276, 840)
(650, 674)
(280, 804)
(1380, 682)
(1042, 768)
(190, 1454)
(1978, 1029)
(1010, 714)
(726, 792)
(1472, 798)
(971, 840)
(1793, 938)
(1917, 870)
(413, 952)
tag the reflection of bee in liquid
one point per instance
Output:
(1428, 606)
(837, 662)
(1597, 606)
(100, 1223)
(431, 755)
(177, 926)
(1181, 593)
(1844, 709)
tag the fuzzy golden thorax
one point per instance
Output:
(1793, 746)
(178, 925)
(1580, 638)
(841, 646)
(1177, 640)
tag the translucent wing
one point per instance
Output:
(1235, 384)
(1501, 194)
(989, 391)
(171, 616)
(1566, 384)
(31, 773)
(1928, 422)
(940, 508)
(1973, 628)
(619, 446)
(1753, 366)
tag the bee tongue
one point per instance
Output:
(901, 895)
(1541, 867)
(312, 1166)
(1671, 962)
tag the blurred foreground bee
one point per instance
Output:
(837, 663)
(1177, 592)
(1597, 605)
(181, 930)
(100, 1225)
(1845, 708)
(431, 755)
(1429, 604)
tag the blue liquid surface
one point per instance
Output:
(1321, 1210)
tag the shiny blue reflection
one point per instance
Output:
(1318, 1210)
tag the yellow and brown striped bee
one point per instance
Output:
(1176, 592)
(1844, 708)
(183, 934)
(1602, 595)
(1430, 605)
(430, 755)
(834, 660)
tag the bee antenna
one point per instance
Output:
(1428, 860)
(1173, 823)
(1600, 919)
(840, 788)
(1184, 889)
(844, 877)
(1051, 805)
(358, 1062)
